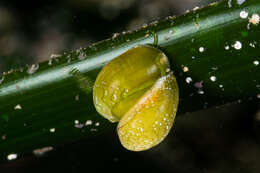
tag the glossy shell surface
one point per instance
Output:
(123, 81)
(149, 121)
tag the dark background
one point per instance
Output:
(217, 140)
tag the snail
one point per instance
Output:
(138, 89)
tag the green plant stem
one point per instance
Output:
(49, 104)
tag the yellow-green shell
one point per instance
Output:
(149, 121)
(138, 89)
(126, 78)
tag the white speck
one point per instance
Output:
(141, 129)
(77, 97)
(213, 78)
(185, 69)
(199, 84)
(18, 107)
(115, 35)
(4, 137)
(213, 3)
(229, 3)
(1, 80)
(79, 126)
(220, 86)
(243, 14)
(33, 68)
(168, 70)
(55, 56)
(256, 62)
(97, 124)
(76, 121)
(237, 45)
(193, 57)
(147, 35)
(258, 96)
(42, 151)
(188, 80)
(200, 92)
(12, 156)
(114, 97)
(227, 47)
(252, 45)
(52, 130)
(144, 25)
(82, 56)
(239, 2)
(254, 19)
(50, 62)
(156, 122)
(196, 8)
(201, 49)
(248, 26)
(88, 122)
(93, 130)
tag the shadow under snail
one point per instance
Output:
(139, 90)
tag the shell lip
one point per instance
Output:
(143, 98)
